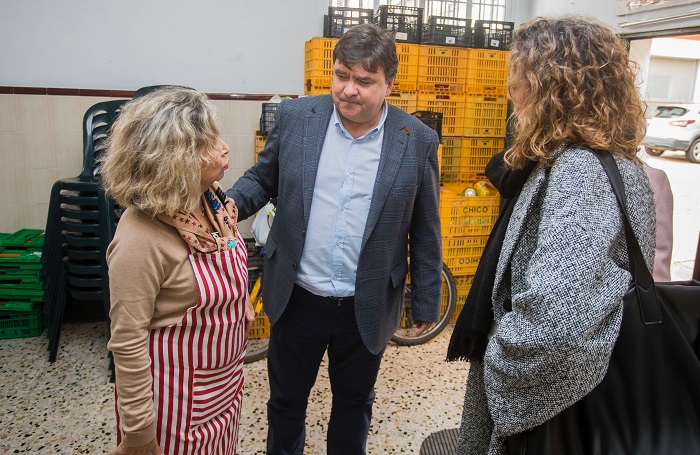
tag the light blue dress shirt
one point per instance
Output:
(343, 191)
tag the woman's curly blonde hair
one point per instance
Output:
(156, 149)
(578, 88)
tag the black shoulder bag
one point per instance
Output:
(649, 400)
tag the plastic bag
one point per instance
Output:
(262, 223)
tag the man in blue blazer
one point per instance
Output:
(356, 182)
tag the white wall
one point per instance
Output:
(225, 46)
(686, 51)
(604, 10)
(240, 46)
(676, 48)
(640, 51)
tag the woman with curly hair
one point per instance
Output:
(177, 277)
(540, 338)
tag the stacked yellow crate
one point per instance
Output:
(466, 223)
(404, 94)
(442, 72)
(486, 104)
(259, 144)
(318, 68)
(468, 87)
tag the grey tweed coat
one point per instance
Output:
(565, 246)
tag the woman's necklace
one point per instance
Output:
(209, 227)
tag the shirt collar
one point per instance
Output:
(335, 119)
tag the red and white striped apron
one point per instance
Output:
(197, 364)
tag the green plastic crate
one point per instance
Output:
(24, 238)
(19, 276)
(21, 324)
(15, 304)
(19, 257)
(8, 291)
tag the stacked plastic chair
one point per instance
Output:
(79, 227)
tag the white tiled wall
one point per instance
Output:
(41, 142)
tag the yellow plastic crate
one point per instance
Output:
(442, 69)
(407, 101)
(261, 327)
(407, 76)
(450, 105)
(259, 144)
(462, 254)
(463, 284)
(498, 91)
(475, 154)
(318, 71)
(487, 72)
(487, 59)
(466, 215)
(465, 158)
(313, 91)
(487, 76)
(451, 154)
(485, 116)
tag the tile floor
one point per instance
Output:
(67, 407)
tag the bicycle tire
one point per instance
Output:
(259, 336)
(404, 334)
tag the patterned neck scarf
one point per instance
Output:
(214, 228)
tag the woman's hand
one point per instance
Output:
(249, 315)
(151, 448)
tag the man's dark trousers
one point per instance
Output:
(310, 325)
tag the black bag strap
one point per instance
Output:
(642, 280)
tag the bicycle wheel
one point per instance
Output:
(259, 335)
(405, 335)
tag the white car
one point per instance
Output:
(674, 127)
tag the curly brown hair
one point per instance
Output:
(578, 88)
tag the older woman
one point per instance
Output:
(178, 279)
(556, 301)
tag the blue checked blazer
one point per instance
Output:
(404, 209)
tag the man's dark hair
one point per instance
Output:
(371, 46)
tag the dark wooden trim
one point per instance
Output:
(98, 92)
(57, 91)
(29, 91)
(63, 91)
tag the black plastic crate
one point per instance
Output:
(493, 34)
(267, 118)
(432, 119)
(404, 21)
(447, 31)
(340, 19)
